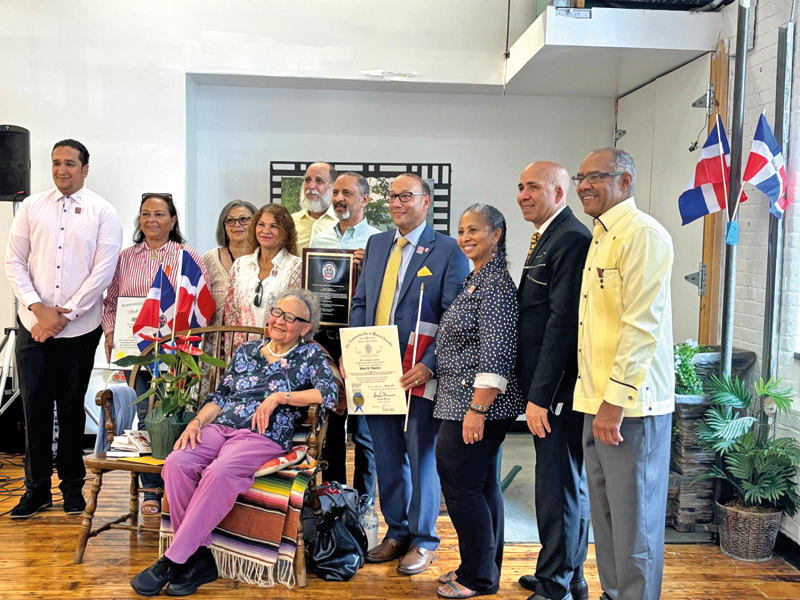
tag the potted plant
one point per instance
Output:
(759, 467)
(175, 387)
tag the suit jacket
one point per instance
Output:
(448, 267)
(549, 295)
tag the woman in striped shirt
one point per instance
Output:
(157, 241)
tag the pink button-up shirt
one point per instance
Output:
(62, 251)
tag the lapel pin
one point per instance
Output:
(77, 210)
(420, 249)
(471, 289)
(427, 249)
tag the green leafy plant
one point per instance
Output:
(740, 426)
(175, 388)
(687, 381)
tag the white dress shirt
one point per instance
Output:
(62, 251)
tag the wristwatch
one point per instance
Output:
(288, 397)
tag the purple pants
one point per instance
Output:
(202, 484)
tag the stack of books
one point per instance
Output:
(134, 443)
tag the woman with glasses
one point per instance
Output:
(157, 243)
(249, 420)
(257, 279)
(233, 243)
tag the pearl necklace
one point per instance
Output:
(275, 354)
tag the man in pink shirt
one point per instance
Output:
(62, 251)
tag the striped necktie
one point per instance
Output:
(389, 285)
(534, 240)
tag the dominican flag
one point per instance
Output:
(195, 305)
(156, 314)
(427, 332)
(706, 191)
(765, 168)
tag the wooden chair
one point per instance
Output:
(99, 465)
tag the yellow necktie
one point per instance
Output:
(534, 240)
(389, 285)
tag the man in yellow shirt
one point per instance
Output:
(316, 213)
(626, 380)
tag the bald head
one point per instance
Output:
(543, 187)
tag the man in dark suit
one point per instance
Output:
(549, 294)
(395, 264)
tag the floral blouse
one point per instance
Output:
(250, 378)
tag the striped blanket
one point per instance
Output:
(257, 540)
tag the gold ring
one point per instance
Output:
(416, 382)
(475, 435)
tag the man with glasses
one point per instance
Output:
(316, 213)
(61, 255)
(547, 369)
(395, 264)
(350, 198)
(626, 381)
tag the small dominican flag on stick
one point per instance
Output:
(765, 168)
(195, 306)
(155, 316)
(707, 191)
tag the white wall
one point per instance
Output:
(754, 218)
(488, 140)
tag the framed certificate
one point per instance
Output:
(371, 357)
(124, 342)
(330, 275)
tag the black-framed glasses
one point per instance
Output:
(405, 196)
(166, 196)
(243, 220)
(594, 177)
(287, 316)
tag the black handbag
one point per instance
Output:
(339, 545)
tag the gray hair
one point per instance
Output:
(222, 235)
(361, 181)
(495, 220)
(311, 302)
(623, 162)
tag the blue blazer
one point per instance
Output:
(448, 267)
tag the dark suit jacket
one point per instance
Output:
(549, 294)
(448, 267)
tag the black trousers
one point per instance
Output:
(335, 449)
(54, 370)
(471, 488)
(562, 504)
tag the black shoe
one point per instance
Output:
(30, 504)
(150, 581)
(577, 587)
(201, 569)
(74, 504)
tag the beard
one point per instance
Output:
(345, 215)
(313, 202)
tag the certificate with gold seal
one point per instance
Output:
(371, 357)
(330, 275)
(124, 342)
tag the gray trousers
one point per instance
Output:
(628, 487)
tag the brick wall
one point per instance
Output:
(754, 218)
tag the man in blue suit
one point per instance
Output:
(395, 264)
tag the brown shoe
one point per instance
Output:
(387, 550)
(416, 561)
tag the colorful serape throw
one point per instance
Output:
(256, 542)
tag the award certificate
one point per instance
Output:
(330, 275)
(124, 342)
(371, 357)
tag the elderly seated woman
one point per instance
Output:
(249, 420)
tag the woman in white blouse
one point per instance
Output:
(257, 279)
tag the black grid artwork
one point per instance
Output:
(440, 173)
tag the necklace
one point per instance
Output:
(271, 351)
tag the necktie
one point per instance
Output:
(389, 285)
(534, 240)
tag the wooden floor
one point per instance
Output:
(36, 562)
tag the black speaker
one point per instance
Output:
(15, 163)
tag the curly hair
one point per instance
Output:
(285, 223)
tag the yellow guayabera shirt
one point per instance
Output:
(625, 316)
(307, 226)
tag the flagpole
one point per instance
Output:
(178, 294)
(416, 338)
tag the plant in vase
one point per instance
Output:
(175, 388)
(759, 466)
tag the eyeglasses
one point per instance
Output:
(594, 177)
(243, 220)
(166, 196)
(404, 196)
(287, 316)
